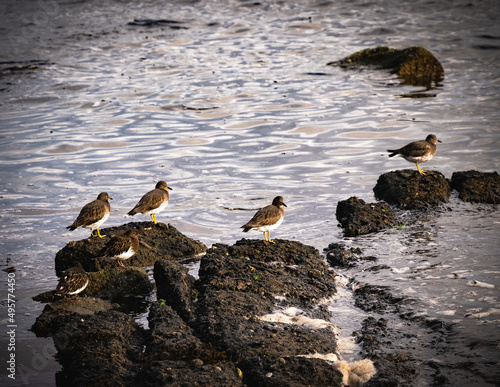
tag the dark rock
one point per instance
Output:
(393, 369)
(358, 217)
(119, 283)
(115, 285)
(158, 241)
(378, 299)
(174, 356)
(338, 255)
(290, 372)
(65, 311)
(479, 187)
(103, 349)
(174, 284)
(239, 284)
(414, 65)
(411, 190)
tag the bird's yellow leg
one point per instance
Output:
(269, 236)
(120, 262)
(153, 216)
(265, 236)
(92, 233)
(420, 170)
(99, 234)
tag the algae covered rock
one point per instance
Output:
(479, 187)
(157, 241)
(410, 190)
(358, 217)
(414, 65)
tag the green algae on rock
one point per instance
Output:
(414, 65)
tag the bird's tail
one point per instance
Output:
(246, 228)
(393, 152)
(71, 228)
(132, 212)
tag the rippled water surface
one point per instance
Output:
(232, 105)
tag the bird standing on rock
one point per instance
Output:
(267, 218)
(93, 215)
(122, 247)
(152, 202)
(417, 151)
(73, 281)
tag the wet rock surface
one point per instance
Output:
(338, 255)
(414, 65)
(160, 241)
(242, 285)
(410, 190)
(255, 309)
(358, 217)
(479, 187)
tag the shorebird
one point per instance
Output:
(417, 151)
(267, 218)
(152, 202)
(122, 247)
(73, 281)
(93, 215)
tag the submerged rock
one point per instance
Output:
(414, 65)
(479, 187)
(338, 255)
(411, 190)
(158, 241)
(358, 217)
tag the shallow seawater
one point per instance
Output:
(233, 106)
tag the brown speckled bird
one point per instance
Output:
(93, 215)
(267, 218)
(73, 281)
(417, 151)
(153, 202)
(121, 247)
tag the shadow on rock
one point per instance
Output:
(158, 241)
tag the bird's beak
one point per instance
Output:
(110, 198)
(439, 141)
(285, 205)
(169, 188)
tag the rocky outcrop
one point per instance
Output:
(410, 190)
(479, 187)
(414, 65)
(157, 241)
(358, 217)
(255, 316)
